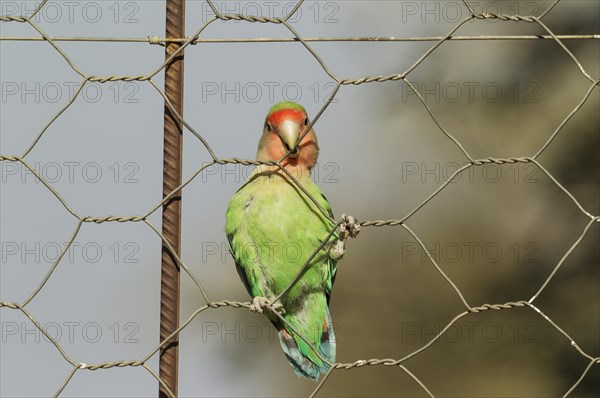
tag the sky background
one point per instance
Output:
(498, 231)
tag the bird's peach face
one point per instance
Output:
(288, 125)
(281, 135)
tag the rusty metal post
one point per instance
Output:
(171, 217)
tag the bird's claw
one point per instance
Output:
(278, 308)
(336, 251)
(349, 227)
(259, 303)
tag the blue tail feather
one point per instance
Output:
(302, 365)
(328, 345)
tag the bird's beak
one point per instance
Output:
(289, 131)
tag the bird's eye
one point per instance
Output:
(269, 127)
(306, 121)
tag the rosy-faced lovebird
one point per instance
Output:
(273, 228)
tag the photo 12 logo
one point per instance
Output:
(432, 11)
(289, 252)
(76, 252)
(321, 173)
(314, 11)
(248, 332)
(439, 172)
(71, 172)
(472, 92)
(471, 332)
(253, 92)
(471, 252)
(70, 331)
(55, 12)
(62, 92)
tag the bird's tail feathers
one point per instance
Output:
(301, 363)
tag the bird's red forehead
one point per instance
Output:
(286, 114)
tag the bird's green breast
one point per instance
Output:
(273, 228)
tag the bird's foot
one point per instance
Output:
(336, 251)
(260, 303)
(349, 227)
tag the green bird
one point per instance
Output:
(273, 228)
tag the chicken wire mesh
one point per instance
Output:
(345, 223)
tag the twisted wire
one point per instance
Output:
(344, 223)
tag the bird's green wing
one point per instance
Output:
(330, 261)
(240, 269)
(238, 245)
(264, 216)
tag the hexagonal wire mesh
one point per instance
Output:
(344, 224)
